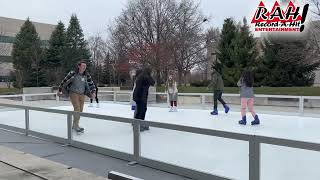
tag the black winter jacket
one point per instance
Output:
(141, 90)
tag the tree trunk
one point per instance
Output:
(185, 79)
(158, 74)
(179, 77)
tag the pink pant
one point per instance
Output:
(247, 102)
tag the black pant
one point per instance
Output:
(141, 109)
(217, 96)
(97, 100)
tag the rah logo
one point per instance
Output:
(278, 19)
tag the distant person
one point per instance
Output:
(171, 88)
(217, 85)
(247, 97)
(96, 98)
(76, 85)
(140, 94)
(133, 103)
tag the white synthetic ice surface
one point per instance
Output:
(219, 156)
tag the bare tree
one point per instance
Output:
(189, 40)
(117, 50)
(212, 39)
(162, 34)
(315, 22)
(97, 47)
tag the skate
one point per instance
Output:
(243, 121)
(175, 109)
(171, 109)
(78, 130)
(226, 108)
(256, 120)
(214, 112)
(98, 105)
(144, 128)
(90, 105)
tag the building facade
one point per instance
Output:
(9, 27)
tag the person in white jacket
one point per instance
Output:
(171, 88)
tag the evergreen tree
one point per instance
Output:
(236, 50)
(27, 57)
(225, 49)
(244, 53)
(76, 45)
(287, 62)
(56, 54)
(107, 74)
(57, 45)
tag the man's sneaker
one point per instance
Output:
(78, 129)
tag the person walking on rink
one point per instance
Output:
(218, 86)
(171, 88)
(247, 97)
(140, 95)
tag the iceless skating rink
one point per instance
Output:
(219, 156)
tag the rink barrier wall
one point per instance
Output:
(253, 140)
(202, 98)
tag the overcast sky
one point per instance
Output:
(96, 15)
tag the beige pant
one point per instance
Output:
(77, 101)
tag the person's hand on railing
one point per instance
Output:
(60, 93)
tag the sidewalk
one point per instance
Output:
(57, 154)
(19, 165)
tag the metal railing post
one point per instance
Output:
(57, 98)
(203, 99)
(131, 96)
(23, 99)
(69, 126)
(27, 121)
(136, 140)
(254, 159)
(301, 105)
(114, 96)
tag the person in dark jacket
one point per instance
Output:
(96, 98)
(217, 85)
(140, 94)
(133, 103)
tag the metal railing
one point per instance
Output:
(202, 96)
(255, 141)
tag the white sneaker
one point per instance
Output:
(98, 105)
(175, 109)
(171, 109)
(90, 105)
